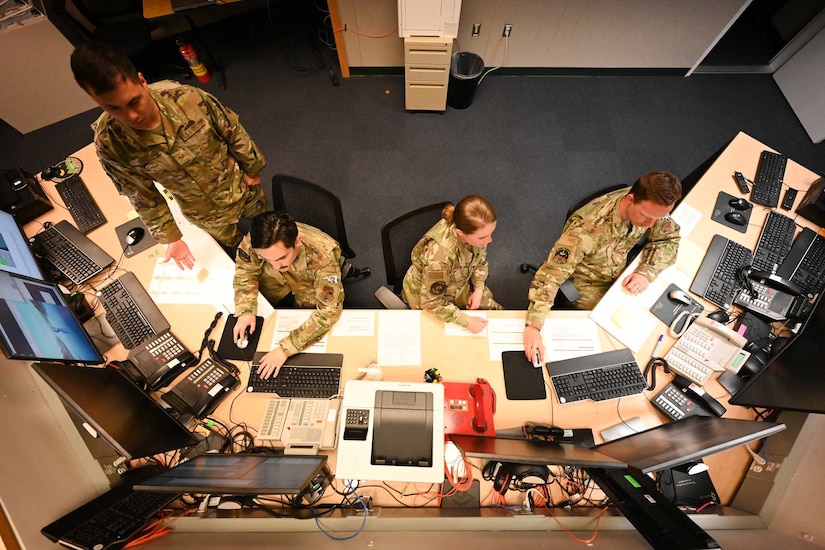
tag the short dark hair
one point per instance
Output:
(663, 188)
(99, 68)
(270, 228)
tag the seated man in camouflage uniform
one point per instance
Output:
(180, 137)
(449, 265)
(592, 250)
(280, 256)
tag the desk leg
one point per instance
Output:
(211, 60)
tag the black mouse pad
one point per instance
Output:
(666, 310)
(723, 207)
(147, 241)
(521, 379)
(227, 348)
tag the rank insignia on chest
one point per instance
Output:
(561, 256)
(438, 288)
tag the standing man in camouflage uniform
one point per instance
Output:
(449, 265)
(592, 250)
(181, 137)
(278, 257)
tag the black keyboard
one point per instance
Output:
(805, 263)
(294, 381)
(131, 312)
(71, 252)
(79, 202)
(118, 523)
(716, 279)
(767, 185)
(774, 243)
(599, 383)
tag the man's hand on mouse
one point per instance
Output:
(244, 326)
(179, 250)
(635, 283)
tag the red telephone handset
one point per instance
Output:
(477, 390)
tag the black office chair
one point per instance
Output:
(119, 23)
(567, 291)
(313, 205)
(398, 237)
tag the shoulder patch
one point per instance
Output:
(561, 255)
(243, 255)
(438, 288)
(327, 293)
(331, 279)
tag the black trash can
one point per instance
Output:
(465, 72)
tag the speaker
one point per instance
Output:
(812, 206)
(21, 195)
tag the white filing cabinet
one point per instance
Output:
(427, 72)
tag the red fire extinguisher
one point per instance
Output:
(191, 56)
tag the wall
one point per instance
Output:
(557, 33)
(802, 80)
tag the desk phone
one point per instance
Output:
(200, 392)
(705, 347)
(682, 398)
(161, 359)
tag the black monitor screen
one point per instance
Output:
(239, 474)
(117, 410)
(15, 254)
(795, 378)
(37, 325)
(524, 451)
(688, 439)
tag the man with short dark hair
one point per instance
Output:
(179, 136)
(592, 250)
(280, 256)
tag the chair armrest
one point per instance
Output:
(568, 289)
(389, 299)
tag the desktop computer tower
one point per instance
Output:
(22, 195)
(812, 206)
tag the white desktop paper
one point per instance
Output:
(399, 338)
(504, 335)
(687, 217)
(355, 322)
(568, 338)
(290, 319)
(452, 329)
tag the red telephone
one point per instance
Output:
(469, 408)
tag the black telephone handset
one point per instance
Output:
(200, 392)
(683, 398)
(775, 281)
(773, 297)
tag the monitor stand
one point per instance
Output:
(658, 520)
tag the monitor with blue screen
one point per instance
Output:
(15, 254)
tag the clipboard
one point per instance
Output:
(522, 381)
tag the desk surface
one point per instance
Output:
(462, 358)
(153, 9)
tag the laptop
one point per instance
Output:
(652, 450)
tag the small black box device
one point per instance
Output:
(21, 195)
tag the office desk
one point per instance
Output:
(40, 499)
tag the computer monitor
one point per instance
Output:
(36, 324)
(688, 439)
(119, 412)
(794, 379)
(523, 451)
(15, 254)
(238, 474)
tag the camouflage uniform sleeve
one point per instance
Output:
(568, 251)
(329, 296)
(248, 268)
(661, 249)
(144, 196)
(435, 278)
(226, 122)
(481, 271)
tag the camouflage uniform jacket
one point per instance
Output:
(442, 270)
(199, 154)
(314, 278)
(592, 252)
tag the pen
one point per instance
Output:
(656, 347)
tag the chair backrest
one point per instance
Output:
(313, 205)
(399, 237)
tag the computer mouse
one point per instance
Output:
(739, 204)
(720, 316)
(134, 235)
(243, 343)
(679, 296)
(736, 218)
